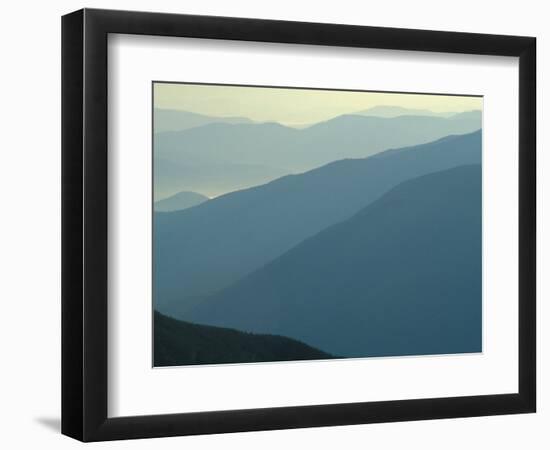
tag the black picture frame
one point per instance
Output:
(84, 224)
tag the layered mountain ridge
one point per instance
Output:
(402, 276)
(219, 157)
(206, 248)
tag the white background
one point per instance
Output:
(136, 389)
(30, 177)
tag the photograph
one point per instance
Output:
(289, 222)
(295, 223)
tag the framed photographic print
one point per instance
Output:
(273, 224)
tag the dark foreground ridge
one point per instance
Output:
(178, 343)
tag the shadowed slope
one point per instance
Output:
(401, 277)
(206, 248)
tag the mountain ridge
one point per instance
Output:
(390, 111)
(401, 276)
(167, 119)
(268, 148)
(178, 343)
(181, 200)
(226, 236)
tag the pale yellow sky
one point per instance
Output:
(294, 106)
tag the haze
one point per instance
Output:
(295, 107)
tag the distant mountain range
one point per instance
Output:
(243, 155)
(180, 343)
(400, 277)
(180, 120)
(177, 120)
(204, 249)
(396, 111)
(179, 201)
(211, 179)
